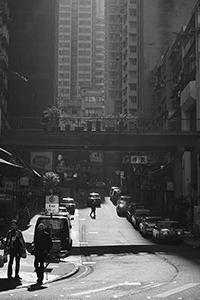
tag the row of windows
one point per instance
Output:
(63, 91)
(84, 15)
(64, 59)
(65, 83)
(82, 52)
(64, 14)
(63, 75)
(84, 68)
(86, 30)
(84, 60)
(85, 2)
(64, 52)
(84, 45)
(84, 76)
(84, 22)
(84, 37)
(64, 45)
(64, 22)
(85, 8)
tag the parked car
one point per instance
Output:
(70, 205)
(138, 215)
(115, 195)
(147, 224)
(168, 230)
(59, 227)
(131, 208)
(62, 211)
(94, 196)
(121, 208)
(112, 189)
(125, 198)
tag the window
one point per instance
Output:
(133, 74)
(133, 99)
(133, 24)
(133, 37)
(133, 61)
(133, 86)
(133, 49)
(133, 12)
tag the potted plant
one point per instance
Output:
(52, 113)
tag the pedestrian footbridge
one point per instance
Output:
(84, 140)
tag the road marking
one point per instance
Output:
(104, 289)
(176, 290)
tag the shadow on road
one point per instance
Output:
(9, 284)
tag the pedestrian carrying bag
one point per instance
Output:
(5, 257)
(23, 253)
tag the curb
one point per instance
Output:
(64, 276)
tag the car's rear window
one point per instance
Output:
(170, 225)
(55, 224)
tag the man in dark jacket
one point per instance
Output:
(13, 246)
(93, 209)
(42, 246)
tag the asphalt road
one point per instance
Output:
(116, 262)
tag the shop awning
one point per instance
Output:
(9, 169)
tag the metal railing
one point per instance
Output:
(103, 124)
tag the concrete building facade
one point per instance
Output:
(80, 51)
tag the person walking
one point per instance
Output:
(14, 246)
(93, 209)
(42, 245)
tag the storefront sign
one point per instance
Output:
(42, 160)
(6, 198)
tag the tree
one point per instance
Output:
(51, 181)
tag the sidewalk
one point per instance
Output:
(54, 271)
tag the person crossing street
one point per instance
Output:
(93, 209)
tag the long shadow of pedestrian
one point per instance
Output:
(35, 287)
(6, 284)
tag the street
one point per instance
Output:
(116, 262)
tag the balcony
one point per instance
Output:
(188, 96)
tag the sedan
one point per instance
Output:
(69, 203)
(147, 224)
(138, 215)
(121, 208)
(94, 196)
(170, 231)
(131, 208)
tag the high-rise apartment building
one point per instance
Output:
(80, 51)
(137, 31)
(113, 69)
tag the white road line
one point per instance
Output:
(102, 289)
(176, 290)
